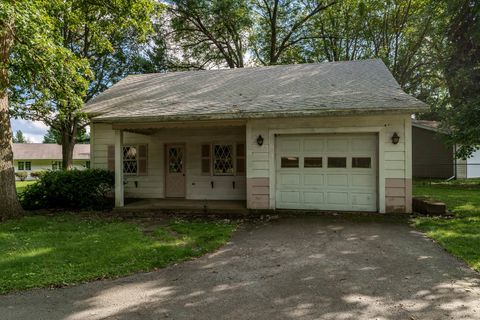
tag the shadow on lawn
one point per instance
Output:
(297, 268)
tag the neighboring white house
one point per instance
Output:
(33, 157)
(330, 136)
(472, 166)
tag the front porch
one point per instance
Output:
(196, 166)
(221, 207)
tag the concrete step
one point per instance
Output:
(427, 206)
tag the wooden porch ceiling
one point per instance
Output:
(152, 127)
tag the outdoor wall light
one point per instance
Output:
(395, 138)
(260, 140)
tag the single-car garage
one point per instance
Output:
(327, 172)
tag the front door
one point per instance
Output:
(175, 171)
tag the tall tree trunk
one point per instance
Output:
(69, 137)
(9, 204)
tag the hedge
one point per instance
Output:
(79, 189)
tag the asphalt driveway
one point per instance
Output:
(292, 268)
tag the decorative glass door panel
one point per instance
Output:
(175, 171)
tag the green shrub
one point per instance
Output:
(22, 175)
(77, 189)
(36, 174)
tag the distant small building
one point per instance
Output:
(432, 157)
(34, 157)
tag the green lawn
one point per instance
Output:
(22, 184)
(39, 251)
(460, 235)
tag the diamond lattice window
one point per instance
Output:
(130, 162)
(175, 160)
(223, 159)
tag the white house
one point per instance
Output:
(330, 136)
(34, 157)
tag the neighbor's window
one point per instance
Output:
(87, 164)
(57, 165)
(223, 159)
(130, 163)
(21, 165)
(28, 166)
(289, 162)
(363, 162)
(312, 162)
(337, 162)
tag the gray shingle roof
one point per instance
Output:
(48, 151)
(274, 91)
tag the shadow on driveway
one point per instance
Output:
(293, 268)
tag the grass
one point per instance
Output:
(21, 185)
(41, 251)
(459, 235)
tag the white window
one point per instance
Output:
(130, 161)
(134, 159)
(21, 165)
(87, 164)
(223, 160)
(28, 166)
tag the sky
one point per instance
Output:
(32, 130)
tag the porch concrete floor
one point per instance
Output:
(201, 206)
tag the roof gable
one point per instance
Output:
(272, 91)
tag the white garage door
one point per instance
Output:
(327, 172)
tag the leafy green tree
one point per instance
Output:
(462, 71)
(19, 137)
(283, 27)
(31, 56)
(408, 35)
(107, 34)
(210, 32)
(53, 136)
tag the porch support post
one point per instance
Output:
(118, 168)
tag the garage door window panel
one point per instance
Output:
(337, 162)
(362, 162)
(289, 162)
(312, 162)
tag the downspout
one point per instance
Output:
(454, 163)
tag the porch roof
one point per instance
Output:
(352, 87)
